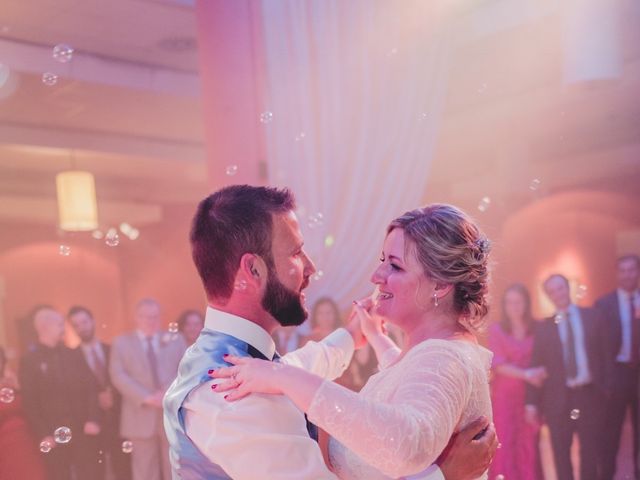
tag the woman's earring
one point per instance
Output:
(435, 299)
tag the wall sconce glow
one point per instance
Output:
(77, 206)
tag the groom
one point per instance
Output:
(247, 247)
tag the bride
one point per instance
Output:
(432, 282)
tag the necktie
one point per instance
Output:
(570, 354)
(635, 331)
(255, 353)
(153, 363)
(99, 368)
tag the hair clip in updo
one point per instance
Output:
(483, 244)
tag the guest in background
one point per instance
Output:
(58, 392)
(324, 319)
(19, 456)
(190, 323)
(287, 339)
(571, 398)
(511, 342)
(95, 355)
(143, 365)
(620, 312)
(362, 366)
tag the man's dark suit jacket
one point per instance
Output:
(609, 309)
(57, 390)
(551, 398)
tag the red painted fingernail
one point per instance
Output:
(226, 396)
(213, 387)
(225, 355)
(210, 372)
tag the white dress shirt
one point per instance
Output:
(583, 376)
(88, 348)
(625, 319)
(263, 436)
(155, 341)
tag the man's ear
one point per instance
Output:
(254, 268)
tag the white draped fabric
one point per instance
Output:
(356, 89)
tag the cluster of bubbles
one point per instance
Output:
(231, 170)
(559, 317)
(575, 414)
(7, 395)
(318, 275)
(316, 220)
(266, 117)
(62, 53)
(173, 327)
(97, 234)
(127, 446)
(64, 250)
(484, 204)
(534, 185)
(241, 285)
(582, 292)
(301, 136)
(61, 435)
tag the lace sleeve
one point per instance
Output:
(405, 432)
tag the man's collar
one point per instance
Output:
(242, 329)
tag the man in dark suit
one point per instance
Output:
(620, 311)
(95, 355)
(57, 391)
(569, 346)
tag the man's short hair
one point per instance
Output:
(627, 257)
(555, 275)
(147, 302)
(79, 309)
(229, 223)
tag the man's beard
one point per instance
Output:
(87, 337)
(283, 304)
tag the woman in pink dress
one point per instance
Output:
(511, 342)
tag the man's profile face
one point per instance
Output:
(284, 297)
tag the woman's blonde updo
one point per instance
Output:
(452, 250)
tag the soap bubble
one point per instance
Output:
(63, 53)
(62, 435)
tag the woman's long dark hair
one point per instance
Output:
(505, 322)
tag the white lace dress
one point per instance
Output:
(402, 419)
